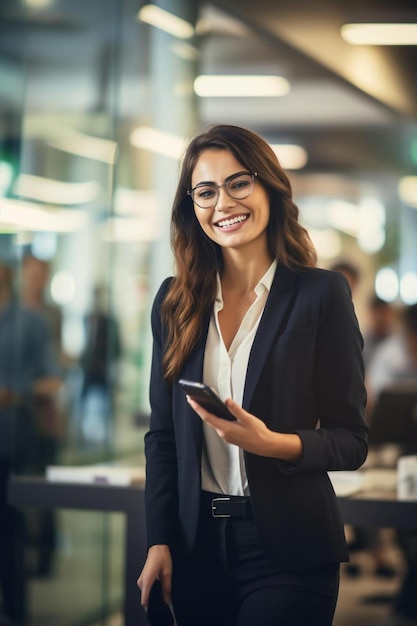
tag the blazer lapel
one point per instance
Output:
(273, 321)
(193, 370)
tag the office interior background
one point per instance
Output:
(97, 101)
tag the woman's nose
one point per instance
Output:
(224, 201)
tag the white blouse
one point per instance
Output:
(222, 464)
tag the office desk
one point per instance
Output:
(379, 510)
(368, 497)
(38, 492)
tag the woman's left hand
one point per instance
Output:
(250, 433)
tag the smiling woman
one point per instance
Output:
(249, 315)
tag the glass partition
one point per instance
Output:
(88, 582)
(100, 104)
(95, 104)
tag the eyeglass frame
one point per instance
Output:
(229, 179)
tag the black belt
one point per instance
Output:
(231, 506)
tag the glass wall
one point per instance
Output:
(86, 199)
(88, 89)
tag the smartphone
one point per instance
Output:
(159, 613)
(208, 398)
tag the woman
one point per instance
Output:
(243, 525)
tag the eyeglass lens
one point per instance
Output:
(237, 187)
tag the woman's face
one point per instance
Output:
(231, 223)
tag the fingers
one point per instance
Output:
(145, 588)
(166, 587)
(235, 409)
(158, 566)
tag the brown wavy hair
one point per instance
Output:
(198, 259)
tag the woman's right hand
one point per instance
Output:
(158, 566)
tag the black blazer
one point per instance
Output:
(305, 375)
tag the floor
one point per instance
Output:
(366, 600)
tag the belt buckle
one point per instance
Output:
(213, 507)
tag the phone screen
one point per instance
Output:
(207, 397)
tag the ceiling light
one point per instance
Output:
(168, 22)
(158, 141)
(327, 242)
(407, 190)
(63, 287)
(55, 191)
(291, 156)
(380, 34)
(408, 288)
(16, 215)
(185, 50)
(371, 225)
(37, 4)
(241, 86)
(85, 145)
(386, 284)
(344, 216)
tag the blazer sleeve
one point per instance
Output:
(161, 462)
(340, 441)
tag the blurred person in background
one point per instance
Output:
(353, 275)
(99, 363)
(48, 410)
(33, 295)
(395, 359)
(395, 362)
(26, 372)
(49, 419)
(381, 325)
(349, 271)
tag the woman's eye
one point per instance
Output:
(239, 183)
(205, 192)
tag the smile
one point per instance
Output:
(232, 221)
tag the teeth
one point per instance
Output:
(235, 220)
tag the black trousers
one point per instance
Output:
(228, 580)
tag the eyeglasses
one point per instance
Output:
(238, 186)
